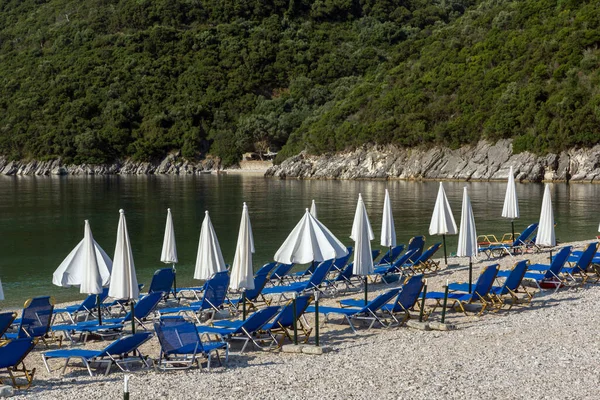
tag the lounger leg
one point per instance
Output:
(350, 323)
(46, 363)
(65, 367)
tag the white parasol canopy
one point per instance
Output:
(169, 249)
(123, 281)
(388, 230)
(242, 274)
(511, 203)
(1, 291)
(209, 260)
(467, 236)
(362, 234)
(545, 235)
(71, 272)
(313, 209)
(442, 221)
(310, 240)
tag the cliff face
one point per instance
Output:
(483, 162)
(172, 164)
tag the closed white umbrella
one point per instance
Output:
(388, 230)
(242, 274)
(70, 271)
(209, 260)
(123, 281)
(467, 236)
(442, 221)
(1, 291)
(310, 240)
(168, 254)
(545, 235)
(313, 209)
(362, 234)
(511, 202)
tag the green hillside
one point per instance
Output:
(97, 80)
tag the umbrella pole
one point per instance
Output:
(99, 309)
(244, 305)
(295, 317)
(366, 290)
(317, 318)
(444, 245)
(512, 224)
(445, 302)
(174, 282)
(470, 274)
(126, 387)
(131, 303)
(390, 261)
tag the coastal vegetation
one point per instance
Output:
(94, 81)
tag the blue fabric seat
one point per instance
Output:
(395, 267)
(547, 272)
(283, 323)
(313, 283)
(181, 346)
(6, 320)
(162, 281)
(87, 307)
(35, 319)
(390, 256)
(519, 244)
(121, 352)
(12, 354)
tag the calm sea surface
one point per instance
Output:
(42, 218)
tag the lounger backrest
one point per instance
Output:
(174, 332)
(405, 258)
(36, 317)
(408, 296)
(13, 352)
(427, 254)
(320, 273)
(6, 319)
(126, 344)
(375, 253)
(514, 279)
(215, 291)
(558, 262)
(255, 321)
(345, 274)
(391, 255)
(527, 232)
(265, 269)
(91, 301)
(281, 270)
(380, 301)
(145, 306)
(587, 256)
(485, 281)
(416, 243)
(260, 280)
(285, 318)
(162, 280)
(341, 262)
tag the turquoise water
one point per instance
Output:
(41, 218)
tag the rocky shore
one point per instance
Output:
(483, 162)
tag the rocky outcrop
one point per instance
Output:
(483, 162)
(172, 164)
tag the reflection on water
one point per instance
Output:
(41, 218)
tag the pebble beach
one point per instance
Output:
(548, 349)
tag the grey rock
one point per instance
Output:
(292, 348)
(423, 326)
(6, 391)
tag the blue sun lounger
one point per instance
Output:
(35, 319)
(366, 312)
(121, 352)
(180, 344)
(511, 285)
(6, 320)
(12, 354)
(416, 243)
(480, 293)
(281, 274)
(547, 272)
(162, 281)
(282, 323)
(582, 264)
(243, 330)
(340, 263)
(251, 295)
(267, 268)
(390, 256)
(519, 244)
(405, 300)
(112, 326)
(212, 301)
(313, 283)
(424, 263)
(87, 307)
(344, 277)
(395, 267)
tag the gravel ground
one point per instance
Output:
(545, 350)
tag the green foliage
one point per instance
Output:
(95, 81)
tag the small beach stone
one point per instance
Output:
(6, 391)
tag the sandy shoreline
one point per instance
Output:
(546, 350)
